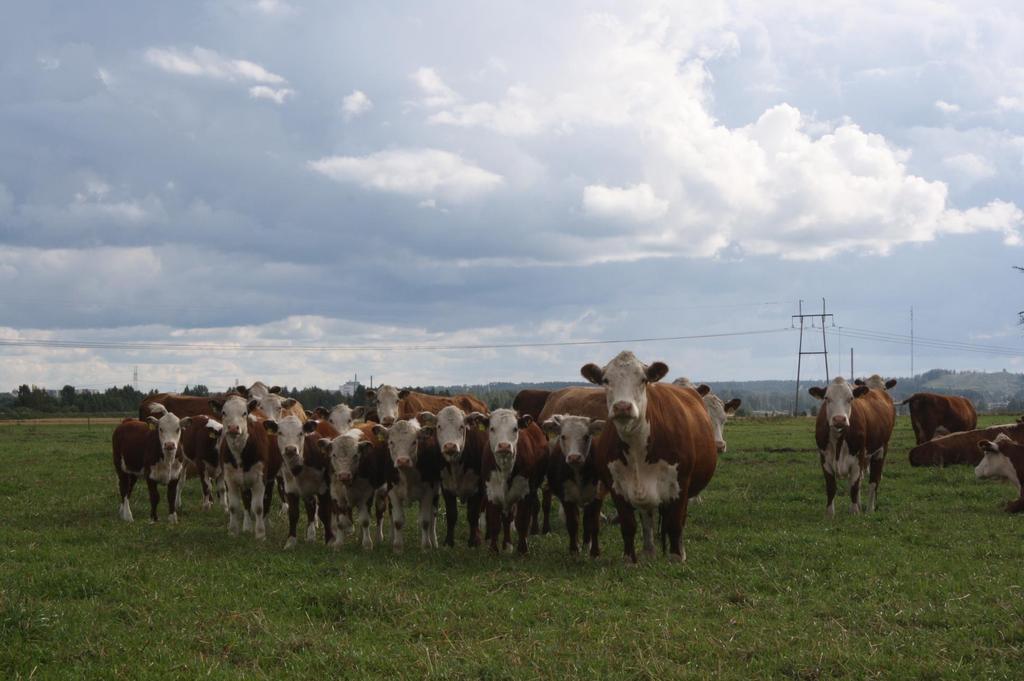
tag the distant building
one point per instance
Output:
(349, 389)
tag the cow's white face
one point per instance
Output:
(876, 382)
(574, 435)
(450, 424)
(341, 418)
(345, 453)
(503, 426)
(625, 380)
(291, 437)
(234, 415)
(719, 412)
(259, 390)
(996, 464)
(403, 442)
(838, 402)
(387, 397)
(168, 429)
(275, 406)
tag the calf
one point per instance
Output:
(961, 448)
(151, 450)
(200, 445)
(934, 415)
(513, 467)
(341, 416)
(249, 463)
(360, 475)
(304, 471)
(417, 459)
(574, 476)
(1003, 459)
(852, 432)
(660, 452)
(461, 448)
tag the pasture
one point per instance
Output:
(929, 587)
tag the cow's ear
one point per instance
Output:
(185, 422)
(656, 371)
(732, 405)
(861, 391)
(216, 406)
(252, 406)
(371, 394)
(242, 390)
(324, 444)
(274, 389)
(890, 383)
(524, 421)
(552, 426)
(816, 392)
(592, 373)
(359, 413)
(477, 420)
(309, 427)
(403, 393)
(152, 422)
(309, 413)
(321, 412)
(380, 432)
(858, 381)
(427, 418)
(703, 389)
(425, 433)
(364, 446)
(596, 427)
(289, 402)
(270, 426)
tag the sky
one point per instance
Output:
(351, 179)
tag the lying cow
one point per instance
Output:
(961, 448)
(361, 473)
(392, 404)
(462, 448)
(852, 432)
(417, 459)
(1003, 459)
(934, 415)
(660, 452)
(150, 450)
(574, 475)
(513, 468)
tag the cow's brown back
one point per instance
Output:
(530, 402)
(414, 403)
(179, 405)
(589, 402)
(961, 448)
(929, 411)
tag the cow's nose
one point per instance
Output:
(403, 462)
(450, 448)
(839, 421)
(720, 446)
(169, 446)
(233, 430)
(574, 459)
(344, 476)
(387, 421)
(291, 450)
(504, 447)
(622, 408)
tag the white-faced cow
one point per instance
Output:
(660, 452)
(574, 476)
(150, 450)
(360, 475)
(341, 416)
(415, 455)
(718, 411)
(462, 447)
(852, 432)
(1004, 459)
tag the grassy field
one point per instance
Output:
(930, 587)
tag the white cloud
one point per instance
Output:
(274, 7)
(1015, 104)
(946, 107)
(276, 95)
(416, 172)
(435, 92)
(971, 167)
(636, 203)
(201, 62)
(355, 104)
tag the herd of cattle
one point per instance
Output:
(351, 467)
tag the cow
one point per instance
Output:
(304, 471)
(200, 445)
(934, 415)
(150, 450)
(576, 401)
(417, 459)
(718, 410)
(852, 432)
(1003, 459)
(179, 405)
(392, 404)
(574, 476)
(961, 448)
(271, 404)
(461, 447)
(361, 473)
(660, 452)
(341, 416)
(249, 463)
(513, 467)
(530, 402)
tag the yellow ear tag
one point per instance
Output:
(481, 427)
(152, 426)
(381, 438)
(213, 435)
(552, 436)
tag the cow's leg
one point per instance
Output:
(428, 517)
(222, 491)
(546, 496)
(380, 499)
(236, 510)
(493, 525)
(572, 521)
(204, 482)
(473, 517)
(523, 519)
(154, 499)
(875, 477)
(324, 513)
(647, 525)
(855, 479)
(259, 495)
(281, 495)
(533, 503)
(364, 523)
(830, 492)
(451, 516)
(125, 484)
(627, 523)
(293, 521)
(311, 516)
(174, 499)
(592, 526)
(342, 525)
(247, 507)
(506, 522)
(397, 505)
(268, 498)
(674, 517)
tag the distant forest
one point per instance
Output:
(999, 391)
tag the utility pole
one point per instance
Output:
(911, 341)
(135, 379)
(800, 348)
(851, 365)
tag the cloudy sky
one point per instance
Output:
(237, 173)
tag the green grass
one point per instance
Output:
(930, 587)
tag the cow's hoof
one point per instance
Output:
(207, 504)
(173, 519)
(629, 561)
(677, 557)
(311, 532)
(291, 543)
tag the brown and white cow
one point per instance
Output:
(417, 459)
(271, 403)
(462, 447)
(934, 415)
(179, 405)
(341, 416)
(660, 452)
(718, 410)
(852, 432)
(1003, 459)
(530, 402)
(361, 473)
(249, 463)
(150, 450)
(200, 442)
(305, 472)
(513, 467)
(574, 476)
(392, 404)
(961, 448)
